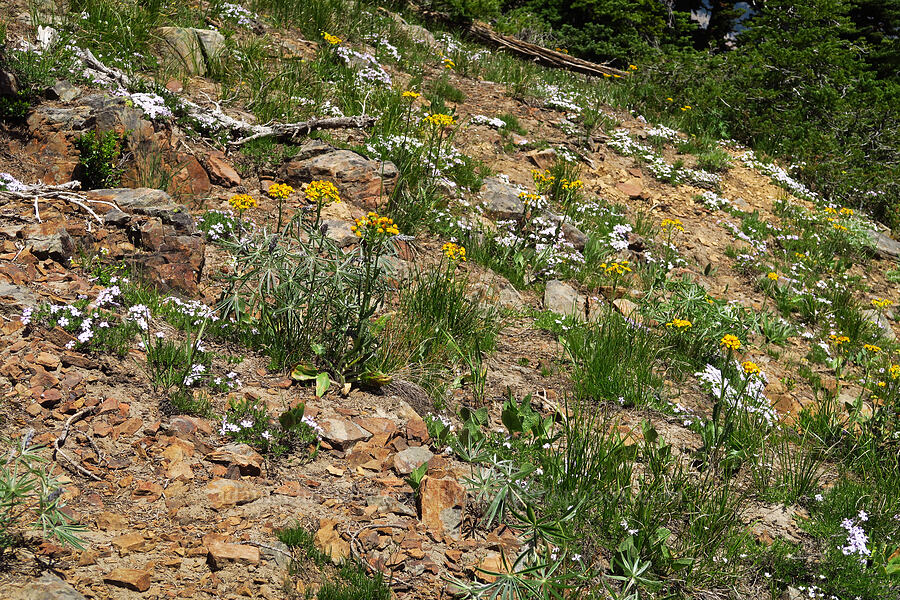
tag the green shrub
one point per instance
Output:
(29, 499)
(99, 165)
(613, 360)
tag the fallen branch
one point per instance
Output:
(58, 442)
(215, 119)
(289, 132)
(63, 191)
(539, 54)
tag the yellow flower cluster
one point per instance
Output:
(632, 67)
(616, 267)
(882, 303)
(679, 324)
(376, 224)
(773, 276)
(672, 224)
(686, 107)
(331, 39)
(837, 340)
(280, 191)
(529, 199)
(839, 227)
(439, 120)
(449, 64)
(454, 251)
(241, 202)
(846, 212)
(570, 185)
(750, 367)
(322, 192)
(730, 342)
(542, 179)
(894, 371)
(411, 95)
(872, 348)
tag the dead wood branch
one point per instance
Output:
(215, 119)
(38, 191)
(539, 54)
(58, 442)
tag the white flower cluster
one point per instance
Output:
(368, 69)
(140, 314)
(779, 175)
(445, 158)
(238, 13)
(382, 44)
(713, 200)
(193, 309)
(490, 121)
(747, 395)
(663, 132)
(561, 100)
(856, 537)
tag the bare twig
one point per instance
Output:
(64, 191)
(58, 442)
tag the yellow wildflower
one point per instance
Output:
(847, 212)
(529, 199)
(331, 39)
(449, 64)
(411, 95)
(750, 367)
(679, 324)
(894, 371)
(882, 303)
(839, 227)
(837, 340)
(280, 191)
(672, 224)
(454, 252)
(374, 225)
(670, 100)
(730, 342)
(241, 202)
(619, 268)
(577, 184)
(773, 276)
(439, 120)
(322, 192)
(632, 68)
(872, 348)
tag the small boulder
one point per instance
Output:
(48, 587)
(407, 461)
(221, 554)
(342, 433)
(560, 297)
(137, 580)
(442, 503)
(501, 200)
(188, 49)
(225, 493)
(245, 458)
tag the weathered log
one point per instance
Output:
(539, 54)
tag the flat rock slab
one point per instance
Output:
(137, 580)
(48, 587)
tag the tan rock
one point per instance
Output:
(329, 541)
(220, 554)
(137, 580)
(220, 170)
(248, 460)
(443, 502)
(129, 542)
(108, 521)
(225, 493)
(342, 433)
